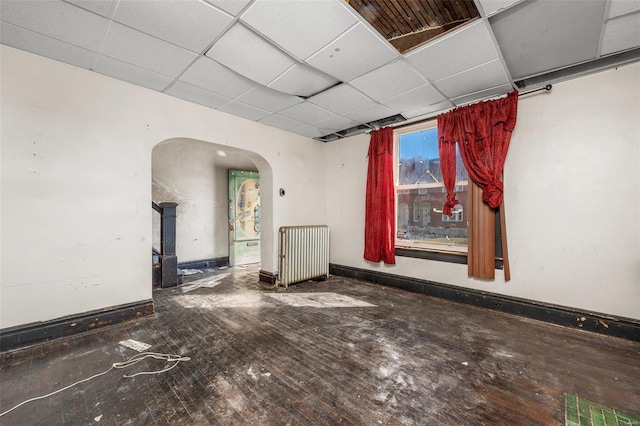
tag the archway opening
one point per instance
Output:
(195, 176)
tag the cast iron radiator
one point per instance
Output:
(303, 254)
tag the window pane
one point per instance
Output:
(420, 161)
(421, 195)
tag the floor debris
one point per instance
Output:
(135, 345)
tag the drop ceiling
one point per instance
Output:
(316, 67)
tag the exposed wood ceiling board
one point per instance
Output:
(422, 19)
(191, 24)
(58, 20)
(145, 51)
(258, 60)
(210, 75)
(539, 36)
(197, 95)
(353, 54)
(621, 33)
(39, 44)
(300, 27)
(131, 73)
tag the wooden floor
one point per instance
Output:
(334, 352)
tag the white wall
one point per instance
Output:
(76, 184)
(194, 175)
(572, 191)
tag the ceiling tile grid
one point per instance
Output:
(299, 27)
(268, 99)
(190, 24)
(30, 41)
(56, 19)
(210, 75)
(197, 95)
(316, 67)
(353, 54)
(341, 99)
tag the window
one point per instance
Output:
(420, 194)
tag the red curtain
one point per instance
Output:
(379, 241)
(483, 132)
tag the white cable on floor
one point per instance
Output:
(176, 359)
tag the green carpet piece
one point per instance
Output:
(582, 412)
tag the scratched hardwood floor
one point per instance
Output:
(260, 357)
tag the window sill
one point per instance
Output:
(439, 256)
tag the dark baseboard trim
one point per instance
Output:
(205, 263)
(40, 332)
(625, 328)
(267, 277)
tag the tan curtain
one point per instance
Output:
(482, 132)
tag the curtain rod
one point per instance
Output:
(424, 120)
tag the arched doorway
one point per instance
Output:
(195, 175)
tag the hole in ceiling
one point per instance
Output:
(409, 24)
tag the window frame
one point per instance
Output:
(437, 254)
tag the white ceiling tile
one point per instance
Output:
(490, 74)
(197, 95)
(142, 50)
(539, 36)
(56, 19)
(281, 122)
(131, 73)
(257, 60)
(370, 113)
(336, 124)
(191, 24)
(309, 131)
(413, 99)
(492, 6)
(353, 54)
(389, 80)
(44, 46)
(101, 7)
(302, 80)
(230, 6)
(244, 110)
(300, 27)
(483, 94)
(341, 99)
(268, 100)
(472, 45)
(307, 113)
(622, 7)
(427, 110)
(621, 33)
(210, 75)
